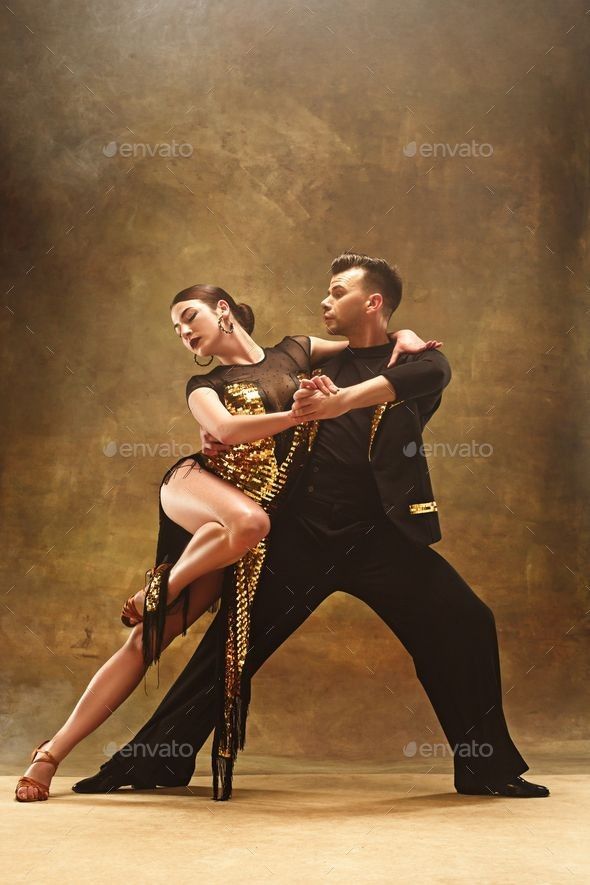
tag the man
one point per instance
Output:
(360, 519)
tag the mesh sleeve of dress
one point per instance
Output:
(299, 349)
(198, 381)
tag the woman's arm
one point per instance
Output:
(321, 350)
(214, 418)
(405, 340)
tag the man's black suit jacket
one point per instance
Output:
(396, 450)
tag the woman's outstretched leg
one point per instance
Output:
(224, 522)
(115, 682)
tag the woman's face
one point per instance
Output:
(197, 325)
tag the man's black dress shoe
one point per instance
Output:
(517, 788)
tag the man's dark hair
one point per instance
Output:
(379, 276)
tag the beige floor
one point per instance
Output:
(301, 828)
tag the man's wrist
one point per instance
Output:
(345, 399)
(390, 384)
(367, 393)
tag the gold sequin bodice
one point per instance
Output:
(253, 467)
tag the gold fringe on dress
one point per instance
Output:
(252, 468)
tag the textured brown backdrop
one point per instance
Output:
(296, 118)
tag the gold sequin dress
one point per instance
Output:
(263, 470)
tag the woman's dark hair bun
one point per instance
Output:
(210, 295)
(245, 316)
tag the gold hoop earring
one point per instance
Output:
(202, 364)
(222, 327)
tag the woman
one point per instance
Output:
(213, 513)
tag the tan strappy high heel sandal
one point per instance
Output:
(153, 579)
(129, 611)
(31, 782)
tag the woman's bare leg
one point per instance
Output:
(115, 681)
(224, 523)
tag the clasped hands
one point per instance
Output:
(318, 398)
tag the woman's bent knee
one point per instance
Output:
(248, 528)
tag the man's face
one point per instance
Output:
(348, 303)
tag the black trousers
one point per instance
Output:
(449, 632)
